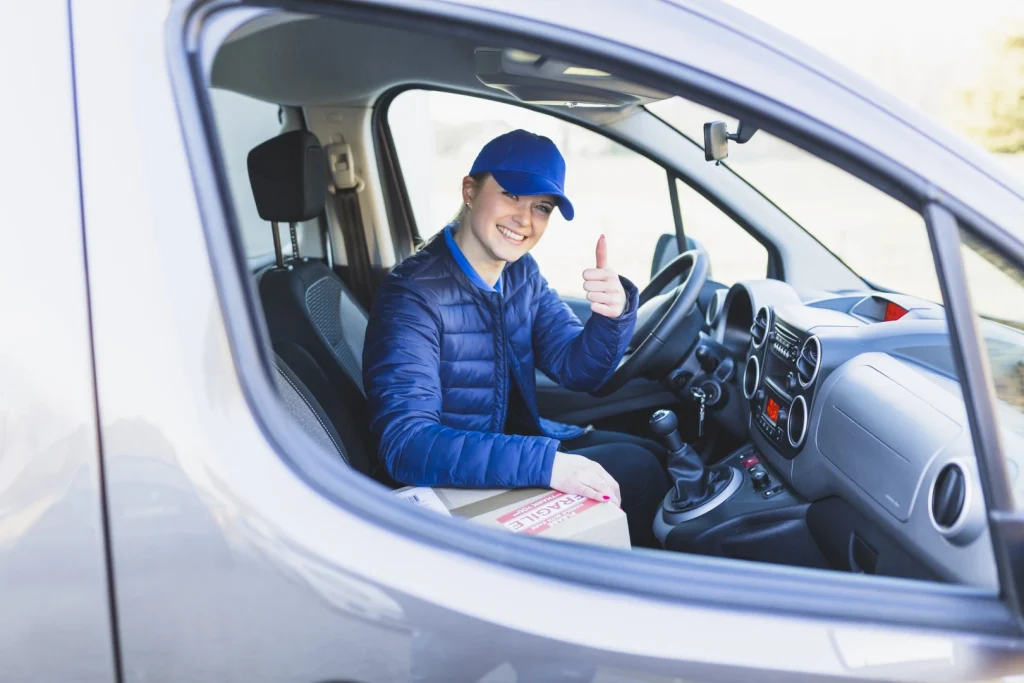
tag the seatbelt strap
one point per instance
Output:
(345, 189)
(350, 220)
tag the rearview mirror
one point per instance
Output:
(717, 136)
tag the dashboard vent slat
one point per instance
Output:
(948, 496)
(808, 361)
(759, 330)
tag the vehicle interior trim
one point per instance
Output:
(690, 579)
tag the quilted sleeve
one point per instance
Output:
(580, 357)
(401, 366)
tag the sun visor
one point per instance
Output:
(540, 80)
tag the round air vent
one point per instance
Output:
(751, 377)
(808, 361)
(762, 323)
(796, 427)
(714, 307)
(948, 495)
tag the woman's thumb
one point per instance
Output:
(602, 252)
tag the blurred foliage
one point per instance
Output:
(995, 109)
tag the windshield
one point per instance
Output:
(881, 239)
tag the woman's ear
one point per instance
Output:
(469, 188)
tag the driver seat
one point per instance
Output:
(316, 325)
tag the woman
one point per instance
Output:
(456, 333)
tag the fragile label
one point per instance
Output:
(542, 514)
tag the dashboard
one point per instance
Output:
(855, 396)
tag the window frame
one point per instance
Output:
(774, 270)
(785, 591)
(388, 159)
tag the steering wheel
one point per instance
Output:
(659, 315)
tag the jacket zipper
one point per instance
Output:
(504, 366)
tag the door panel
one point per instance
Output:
(55, 624)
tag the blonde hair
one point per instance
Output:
(460, 215)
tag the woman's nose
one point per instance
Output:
(522, 216)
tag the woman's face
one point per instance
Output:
(505, 225)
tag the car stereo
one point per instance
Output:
(779, 381)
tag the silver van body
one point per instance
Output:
(153, 527)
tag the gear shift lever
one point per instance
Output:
(693, 482)
(665, 425)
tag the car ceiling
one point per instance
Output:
(297, 60)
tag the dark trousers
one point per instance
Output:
(638, 465)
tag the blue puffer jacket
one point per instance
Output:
(437, 360)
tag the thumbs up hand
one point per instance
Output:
(603, 286)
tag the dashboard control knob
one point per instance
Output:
(760, 396)
(760, 480)
(782, 416)
(791, 381)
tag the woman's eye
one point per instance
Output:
(545, 208)
(514, 197)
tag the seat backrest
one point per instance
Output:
(316, 325)
(308, 413)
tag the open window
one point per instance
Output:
(838, 419)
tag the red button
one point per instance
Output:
(750, 462)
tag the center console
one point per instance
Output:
(755, 488)
(755, 514)
(779, 379)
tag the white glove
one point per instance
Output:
(575, 474)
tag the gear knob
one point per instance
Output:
(665, 426)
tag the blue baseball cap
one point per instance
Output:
(526, 164)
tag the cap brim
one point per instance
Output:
(526, 184)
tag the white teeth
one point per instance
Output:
(511, 235)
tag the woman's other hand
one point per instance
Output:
(576, 474)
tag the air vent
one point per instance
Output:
(762, 323)
(948, 496)
(751, 377)
(796, 426)
(808, 361)
(715, 307)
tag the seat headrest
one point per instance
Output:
(288, 177)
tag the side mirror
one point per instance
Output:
(717, 137)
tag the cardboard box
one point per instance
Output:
(536, 512)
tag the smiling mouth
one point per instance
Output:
(511, 236)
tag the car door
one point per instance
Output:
(54, 582)
(240, 555)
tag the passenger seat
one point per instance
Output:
(316, 325)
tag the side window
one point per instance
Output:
(616, 192)
(996, 287)
(734, 254)
(242, 123)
